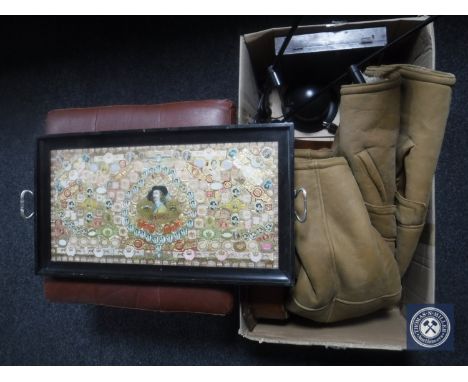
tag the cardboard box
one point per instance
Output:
(382, 330)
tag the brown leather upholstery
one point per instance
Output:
(170, 298)
(126, 117)
(196, 299)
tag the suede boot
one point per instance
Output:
(367, 138)
(344, 267)
(425, 104)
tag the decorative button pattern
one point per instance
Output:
(202, 205)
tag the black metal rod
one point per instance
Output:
(286, 41)
(356, 75)
(267, 86)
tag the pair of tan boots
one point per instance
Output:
(367, 197)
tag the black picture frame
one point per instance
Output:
(282, 133)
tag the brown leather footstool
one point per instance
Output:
(159, 297)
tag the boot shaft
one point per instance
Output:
(425, 104)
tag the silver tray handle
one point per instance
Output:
(303, 217)
(22, 195)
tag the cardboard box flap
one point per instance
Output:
(384, 330)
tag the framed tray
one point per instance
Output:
(210, 204)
